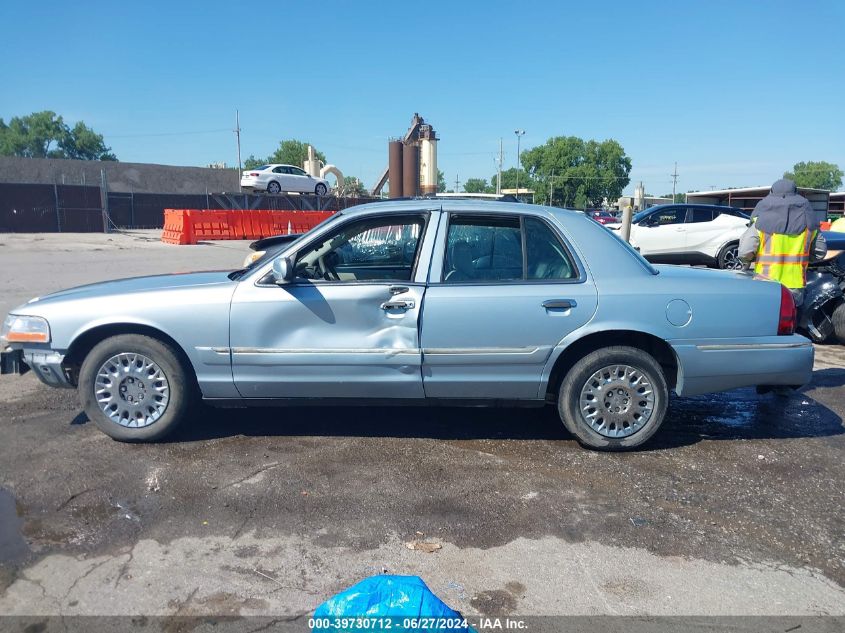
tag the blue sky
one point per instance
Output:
(735, 92)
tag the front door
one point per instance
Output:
(661, 232)
(346, 327)
(505, 290)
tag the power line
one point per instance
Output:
(167, 133)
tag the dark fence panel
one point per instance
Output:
(34, 208)
(28, 208)
(79, 209)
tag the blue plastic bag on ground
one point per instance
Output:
(405, 601)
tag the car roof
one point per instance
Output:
(693, 204)
(454, 205)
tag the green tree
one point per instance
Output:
(83, 143)
(354, 186)
(816, 175)
(509, 179)
(583, 173)
(289, 152)
(478, 185)
(252, 162)
(45, 135)
(441, 182)
(293, 152)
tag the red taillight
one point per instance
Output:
(255, 173)
(788, 314)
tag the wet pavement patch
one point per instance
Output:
(13, 546)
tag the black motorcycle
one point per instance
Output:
(822, 315)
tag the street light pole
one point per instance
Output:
(519, 135)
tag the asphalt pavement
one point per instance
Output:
(735, 508)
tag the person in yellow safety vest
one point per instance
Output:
(783, 237)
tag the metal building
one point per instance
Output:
(746, 198)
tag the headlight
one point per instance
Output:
(25, 329)
(253, 257)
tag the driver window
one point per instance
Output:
(668, 216)
(365, 250)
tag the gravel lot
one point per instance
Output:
(736, 509)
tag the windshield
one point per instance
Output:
(640, 216)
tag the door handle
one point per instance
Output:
(559, 304)
(398, 290)
(398, 305)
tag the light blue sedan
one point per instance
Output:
(419, 301)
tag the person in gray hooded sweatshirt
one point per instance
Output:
(783, 237)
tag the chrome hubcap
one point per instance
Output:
(617, 401)
(132, 390)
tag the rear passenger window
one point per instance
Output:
(484, 249)
(546, 257)
(700, 215)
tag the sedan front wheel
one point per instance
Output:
(614, 398)
(135, 388)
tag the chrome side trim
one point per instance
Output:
(433, 351)
(326, 350)
(476, 351)
(750, 346)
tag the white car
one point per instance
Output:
(276, 178)
(689, 234)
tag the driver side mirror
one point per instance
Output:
(282, 270)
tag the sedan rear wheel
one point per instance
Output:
(320, 189)
(274, 187)
(614, 398)
(135, 388)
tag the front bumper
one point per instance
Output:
(12, 362)
(46, 364)
(706, 366)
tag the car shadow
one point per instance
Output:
(738, 414)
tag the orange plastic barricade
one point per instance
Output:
(177, 227)
(188, 226)
(210, 225)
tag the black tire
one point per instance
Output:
(728, 258)
(838, 318)
(320, 189)
(179, 379)
(576, 380)
(274, 187)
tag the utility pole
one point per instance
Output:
(238, 137)
(499, 173)
(551, 188)
(519, 135)
(457, 183)
(674, 181)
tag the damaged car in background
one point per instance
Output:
(418, 302)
